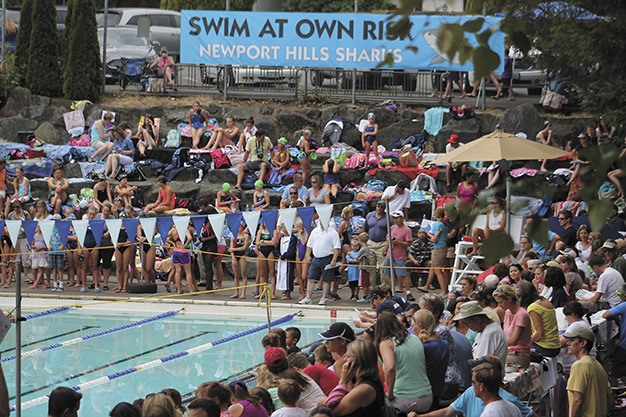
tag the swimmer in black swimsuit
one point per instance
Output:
(91, 255)
(149, 255)
(265, 261)
(124, 255)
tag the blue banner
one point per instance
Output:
(326, 40)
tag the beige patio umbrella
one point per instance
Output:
(501, 145)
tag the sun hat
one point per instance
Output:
(226, 187)
(259, 184)
(338, 331)
(470, 309)
(579, 331)
(454, 138)
(553, 263)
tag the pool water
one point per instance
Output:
(101, 356)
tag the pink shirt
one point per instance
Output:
(401, 234)
(520, 319)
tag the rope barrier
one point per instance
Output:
(152, 364)
(93, 335)
(46, 312)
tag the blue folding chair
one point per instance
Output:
(133, 72)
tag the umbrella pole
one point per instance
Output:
(392, 273)
(508, 204)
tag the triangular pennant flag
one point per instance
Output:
(288, 217)
(217, 223)
(181, 223)
(97, 228)
(29, 229)
(324, 211)
(147, 225)
(306, 214)
(46, 227)
(198, 223)
(131, 228)
(270, 217)
(252, 220)
(80, 226)
(164, 224)
(114, 226)
(234, 220)
(63, 226)
(13, 226)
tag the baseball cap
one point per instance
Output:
(579, 331)
(397, 213)
(275, 356)
(338, 331)
(389, 305)
(609, 244)
(583, 136)
(454, 138)
(470, 309)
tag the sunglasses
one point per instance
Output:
(562, 218)
(293, 193)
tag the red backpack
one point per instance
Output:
(220, 160)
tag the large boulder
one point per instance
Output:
(402, 129)
(242, 113)
(9, 127)
(523, 118)
(49, 134)
(18, 100)
(288, 121)
(467, 130)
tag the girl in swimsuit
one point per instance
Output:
(58, 190)
(224, 136)
(369, 139)
(21, 185)
(6, 264)
(74, 273)
(226, 200)
(124, 254)
(102, 192)
(166, 200)
(149, 255)
(181, 260)
(261, 197)
(90, 252)
(197, 118)
(302, 268)
(148, 135)
(265, 260)
(331, 177)
(238, 246)
(306, 146)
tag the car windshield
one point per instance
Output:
(122, 38)
(112, 20)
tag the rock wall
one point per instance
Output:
(26, 112)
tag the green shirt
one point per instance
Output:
(411, 378)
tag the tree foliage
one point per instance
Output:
(82, 73)
(22, 43)
(239, 5)
(340, 6)
(42, 75)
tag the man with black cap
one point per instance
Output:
(399, 197)
(376, 227)
(588, 389)
(337, 338)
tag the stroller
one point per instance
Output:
(134, 71)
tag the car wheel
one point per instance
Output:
(220, 79)
(317, 78)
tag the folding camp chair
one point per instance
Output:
(133, 71)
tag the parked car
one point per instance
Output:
(164, 25)
(253, 76)
(365, 78)
(123, 42)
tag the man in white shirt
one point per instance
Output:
(399, 198)
(491, 339)
(486, 380)
(609, 282)
(323, 250)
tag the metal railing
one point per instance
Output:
(306, 82)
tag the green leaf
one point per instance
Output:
(400, 28)
(450, 38)
(520, 41)
(386, 62)
(511, 25)
(483, 37)
(474, 6)
(473, 25)
(599, 212)
(538, 231)
(498, 245)
(465, 52)
(485, 61)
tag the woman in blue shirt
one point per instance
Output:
(438, 235)
(122, 154)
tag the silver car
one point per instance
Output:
(123, 42)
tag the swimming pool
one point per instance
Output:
(95, 348)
